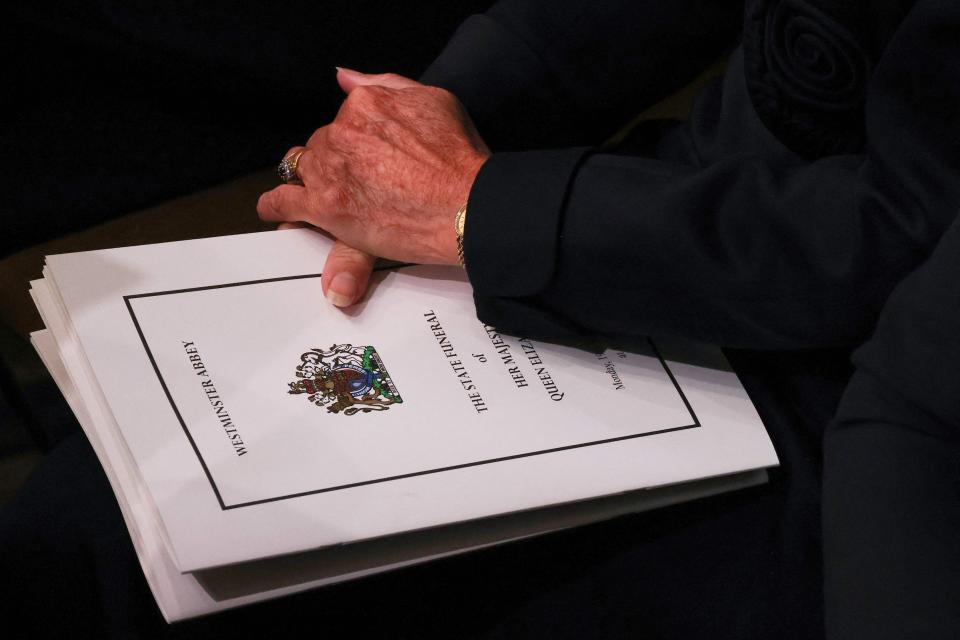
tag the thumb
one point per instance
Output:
(346, 274)
(348, 79)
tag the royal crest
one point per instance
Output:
(346, 378)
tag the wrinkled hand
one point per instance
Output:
(386, 178)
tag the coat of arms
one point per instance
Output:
(345, 378)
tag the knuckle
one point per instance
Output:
(390, 77)
(351, 258)
(307, 165)
(444, 97)
(339, 132)
(315, 138)
(325, 198)
(335, 166)
(358, 263)
(439, 94)
(367, 95)
(360, 95)
(349, 128)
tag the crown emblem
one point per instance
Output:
(345, 379)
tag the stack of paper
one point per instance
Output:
(260, 441)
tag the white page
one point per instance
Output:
(219, 507)
(259, 442)
(181, 596)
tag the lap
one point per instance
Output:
(712, 568)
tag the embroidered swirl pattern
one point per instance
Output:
(807, 75)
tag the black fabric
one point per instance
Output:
(682, 571)
(66, 561)
(526, 245)
(113, 106)
(809, 62)
(916, 346)
(717, 229)
(775, 222)
(535, 73)
(891, 494)
(746, 245)
(808, 73)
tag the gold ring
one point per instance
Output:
(287, 169)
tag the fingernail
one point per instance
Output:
(342, 290)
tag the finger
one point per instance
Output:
(348, 79)
(283, 226)
(346, 274)
(286, 203)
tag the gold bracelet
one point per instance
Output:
(458, 224)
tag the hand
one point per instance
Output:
(347, 271)
(386, 177)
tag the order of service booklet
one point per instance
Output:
(261, 441)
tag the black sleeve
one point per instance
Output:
(741, 252)
(891, 479)
(536, 72)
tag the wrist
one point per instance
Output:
(458, 223)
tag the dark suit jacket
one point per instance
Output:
(891, 494)
(812, 178)
(815, 175)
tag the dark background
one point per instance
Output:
(116, 105)
(112, 106)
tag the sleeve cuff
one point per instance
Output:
(515, 220)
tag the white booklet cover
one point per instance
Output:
(241, 417)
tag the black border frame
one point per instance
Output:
(213, 484)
